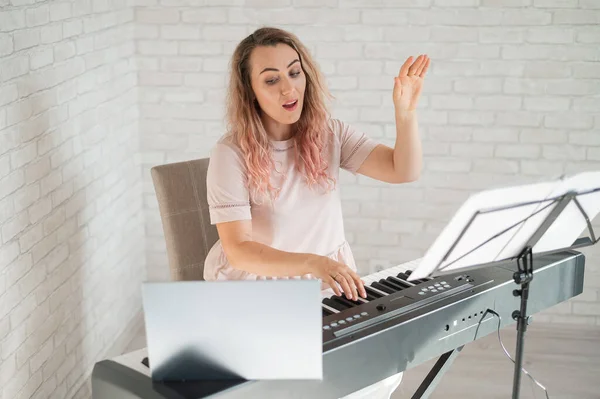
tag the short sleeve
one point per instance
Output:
(355, 146)
(227, 194)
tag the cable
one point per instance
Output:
(508, 355)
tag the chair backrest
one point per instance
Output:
(181, 192)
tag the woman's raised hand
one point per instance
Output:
(409, 83)
(337, 275)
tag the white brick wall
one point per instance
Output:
(71, 210)
(511, 98)
(91, 90)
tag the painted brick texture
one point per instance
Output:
(71, 209)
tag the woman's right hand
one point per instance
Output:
(337, 275)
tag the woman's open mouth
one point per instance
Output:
(292, 105)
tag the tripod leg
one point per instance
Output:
(436, 373)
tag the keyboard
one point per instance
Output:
(390, 294)
(383, 274)
(400, 325)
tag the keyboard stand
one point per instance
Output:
(436, 373)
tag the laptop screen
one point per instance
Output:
(242, 329)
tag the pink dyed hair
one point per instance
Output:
(246, 127)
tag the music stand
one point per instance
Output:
(512, 224)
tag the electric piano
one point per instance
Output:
(400, 325)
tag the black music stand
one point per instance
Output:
(517, 236)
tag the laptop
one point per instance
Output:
(241, 329)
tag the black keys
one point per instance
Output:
(334, 304)
(388, 283)
(401, 283)
(370, 297)
(338, 303)
(403, 276)
(344, 301)
(372, 293)
(382, 287)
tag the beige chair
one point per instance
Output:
(181, 192)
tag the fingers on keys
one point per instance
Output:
(360, 285)
(347, 286)
(334, 286)
(354, 283)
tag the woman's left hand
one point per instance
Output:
(409, 83)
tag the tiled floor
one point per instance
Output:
(565, 359)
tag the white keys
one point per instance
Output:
(329, 308)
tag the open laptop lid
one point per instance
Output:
(243, 329)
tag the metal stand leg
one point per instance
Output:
(436, 373)
(523, 277)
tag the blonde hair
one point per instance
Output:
(246, 128)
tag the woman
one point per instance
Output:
(272, 179)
